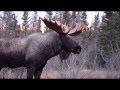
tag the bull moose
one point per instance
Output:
(35, 50)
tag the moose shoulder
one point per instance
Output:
(35, 50)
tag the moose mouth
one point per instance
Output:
(76, 50)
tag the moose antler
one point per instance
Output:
(63, 29)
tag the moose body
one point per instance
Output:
(18, 52)
(35, 50)
(31, 52)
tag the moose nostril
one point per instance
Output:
(78, 51)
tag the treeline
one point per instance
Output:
(102, 46)
(10, 28)
(108, 42)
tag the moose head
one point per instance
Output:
(64, 31)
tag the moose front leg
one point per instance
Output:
(30, 72)
(38, 71)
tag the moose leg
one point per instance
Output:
(30, 72)
(38, 71)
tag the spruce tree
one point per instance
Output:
(58, 16)
(10, 20)
(74, 15)
(35, 19)
(66, 17)
(25, 20)
(10, 23)
(39, 24)
(96, 22)
(109, 38)
(49, 15)
(84, 18)
(78, 16)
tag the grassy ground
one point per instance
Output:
(49, 73)
(81, 74)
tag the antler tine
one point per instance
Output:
(67, 28)
(76, 30)
(63, 29)
(53, 26)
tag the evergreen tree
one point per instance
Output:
(58, 16)
(10, 20)
(96, 21)
(10, 23)
(73, 15)
(35, 21)
(109, 38)
(39, 24)
(14, 21)
(84, 18)
(2, 23)
(49, 14)
(25, 20)
(66, 17)
(78, 16)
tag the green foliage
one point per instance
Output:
(66, 17)
(74, 15)
(57, 16)
(96, 21)
(39, 24)
(10, 20)
(25, 19)
(35, 23)
(78, 16)
(49, 14)
(109, 37)
(84, 18)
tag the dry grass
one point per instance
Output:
(80, 74)
(50, 73)
(18, 73)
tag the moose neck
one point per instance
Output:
(55, 46)
(64, 43)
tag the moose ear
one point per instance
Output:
(64, 55)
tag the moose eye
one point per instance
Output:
(67, 38)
